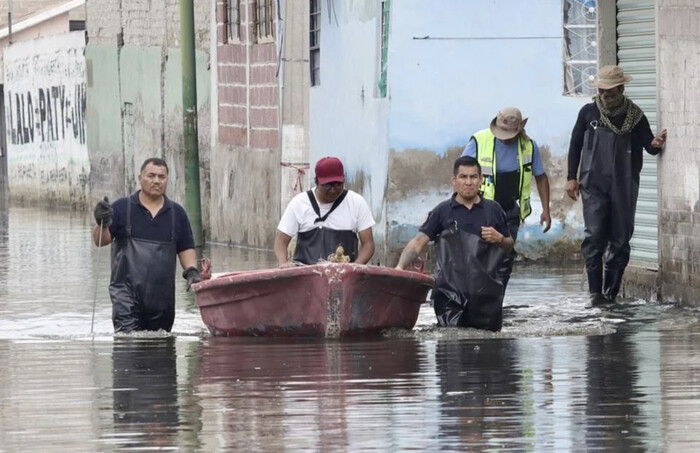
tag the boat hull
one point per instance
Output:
(322, 300)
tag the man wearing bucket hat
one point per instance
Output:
(509, 159)
(324, 218)
(607, 142)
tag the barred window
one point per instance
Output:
(580, 46)
(315, 42)
(264, 20)
(233, 20)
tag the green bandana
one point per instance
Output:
(634, 114)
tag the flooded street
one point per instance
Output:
(559, 377)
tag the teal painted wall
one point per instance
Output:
(103, 121)
(141, 94)
(134, 110)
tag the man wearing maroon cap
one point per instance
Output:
(324, 218)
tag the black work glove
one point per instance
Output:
(192, 275)
(104, 213)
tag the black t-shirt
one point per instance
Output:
(641, 138)
(483, 213)
(158, 228)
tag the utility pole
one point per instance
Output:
(9, 21)
(189, 116)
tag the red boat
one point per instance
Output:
(322, 300)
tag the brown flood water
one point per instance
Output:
(559, 377)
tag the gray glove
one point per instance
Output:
(192, 275)
(104, 213)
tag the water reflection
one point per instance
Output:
(307, 394)
(144, 385)
(479, 394)
(612, 411)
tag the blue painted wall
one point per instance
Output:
(483, 55)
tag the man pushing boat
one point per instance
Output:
(472, 238)
(324, 218)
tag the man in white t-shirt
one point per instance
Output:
(324, 218)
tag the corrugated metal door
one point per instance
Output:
(636, 54)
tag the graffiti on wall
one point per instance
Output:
(45, 105)
(46, 115)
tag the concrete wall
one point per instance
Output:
(348, 119)
(451, 69)
(45, 102)
(679, 166)
(135, 97)
(294, 83)
(245, 171)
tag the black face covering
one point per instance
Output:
(613, 101)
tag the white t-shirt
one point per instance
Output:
(352, 214)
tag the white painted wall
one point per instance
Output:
(45, 117)
(347, 119)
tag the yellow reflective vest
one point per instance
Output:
(486, 156)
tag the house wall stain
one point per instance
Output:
(245, 196)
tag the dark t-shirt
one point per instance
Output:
(483, 213)
(158, 228)
(641, 137)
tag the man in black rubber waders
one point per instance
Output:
(605, 160)
(472, 239)
(147, 232)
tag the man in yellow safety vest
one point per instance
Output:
(508, 159)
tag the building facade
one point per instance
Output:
(43, 152)
(396, 90)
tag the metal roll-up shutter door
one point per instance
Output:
(636, 54)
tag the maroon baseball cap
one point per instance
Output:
(329, 169)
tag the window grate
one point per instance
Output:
(580, 46)
(233, 20)
(315, 41)
(264, 20)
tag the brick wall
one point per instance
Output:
(247, 82)
(103, 22)
(679, 170)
